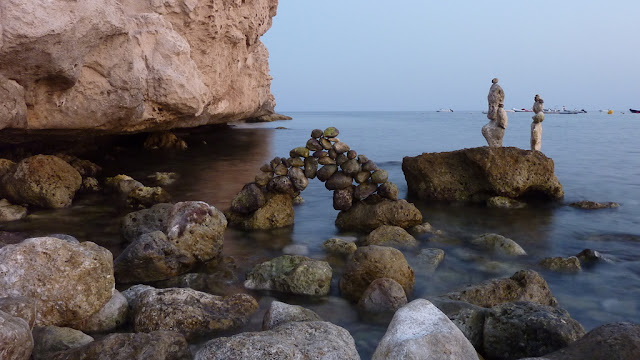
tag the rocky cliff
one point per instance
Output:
(119, 66)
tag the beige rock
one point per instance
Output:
(22, 307)
(68, 281)
(536, 136)
(493, 131)
(132, 65)
(16, 342)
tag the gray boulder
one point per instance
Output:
(524, 329)
(383, 295)
(292, 274)
(420, 331)
(280, 313)
(467, 317)
(189, 312)
(16, 341)
(165, 345)
(309, 340)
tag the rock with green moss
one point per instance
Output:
(291, 274)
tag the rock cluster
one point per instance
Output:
(267, 202)
(536, 125)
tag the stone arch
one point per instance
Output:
(354, 179)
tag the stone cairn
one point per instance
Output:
(340, 167)
(536, 125)
(493, 131)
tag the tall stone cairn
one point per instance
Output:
(536, 125)
(493, 131)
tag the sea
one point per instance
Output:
(596, 156)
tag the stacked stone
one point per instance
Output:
(536, 125)
(330, 160)
(493, 131)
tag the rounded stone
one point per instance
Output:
(362, 176)
(350, 167)
(343, 198)
(310, 167)
(369, 166)
(338, 180)
(316, 133)
(281, 184)
(300, 151)
(389, 190)
(340, 147)
(280, 170)
(313, 145)
(375, 262)
(319, 154)
(383, 295)
(352, 154)
(379, 176)
(298, 179)
(248, 200)
(340, 246)
(295, 162)
(326, 144)
(362, 159)
(326, 161)
(332, 153)
(331, 132)
(394, 236)
(341, 159)
(364, 190)
(325, 172)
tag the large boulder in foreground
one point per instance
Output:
(375, 211)
(477, 174)
(68, 280)
(420, 331)
(620, 341)
(43, 180)
(312, 340)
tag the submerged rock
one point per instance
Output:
(431, 258)
(373, 262)
(502, 202)
(313, 340)
(280, 313)
(52, 339)
(499, 244)
(340, 246)
(569, 264)
(394, 236)
(370, 214)
(68, 281)
(383, 295)
(522, 329)
(480, 173)
(592, 205)
(291, 274)
(189, 312)
(420, 331)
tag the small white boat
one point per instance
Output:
(522, 110)
(445, 110)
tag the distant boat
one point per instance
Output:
(522, 110)
(563, 111)
(445, 110)
(634, 111)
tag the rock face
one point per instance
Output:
(619, 341)
(420, 331)
(521, 329)
(16, 342)
(69, 281)
(123, 66)
(477, 174)
(189, 312)
(42, 180)
(312, 340)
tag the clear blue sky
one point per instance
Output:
(426, 55)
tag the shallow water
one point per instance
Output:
(596, 158)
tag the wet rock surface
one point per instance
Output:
(291, 274)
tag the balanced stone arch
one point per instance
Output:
(359, 188)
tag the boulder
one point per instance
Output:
(16, 341)
(340, 246)
(394, 236)
(189, 312)
(68, 281)
(383, 295)
(312, 340)
(112, 315)
(127, 66)
(51, 339)
(291, 274)
(145, 221)
(620, 341)
(165, 345)
(43, 180)
(20, 307)
(523, 329)
(9, 212)
(373, 262)
(248, 200)
(419, 330)
(499, 244)
(144, 197)
(280, 313)
(477, 174)
(568, 264)
(151, 257)
(374, 212)
(276, 213)
(467, 317)
(525, 285)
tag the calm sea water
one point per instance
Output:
(596, 158)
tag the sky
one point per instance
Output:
(423, 55)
